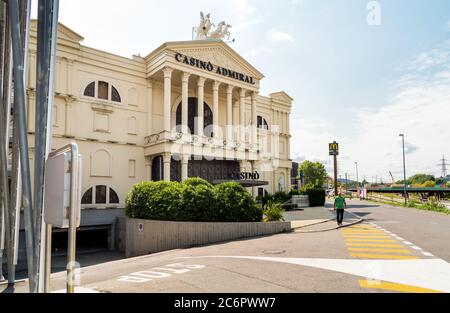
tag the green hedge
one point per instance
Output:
(317, 196)
(194, 200)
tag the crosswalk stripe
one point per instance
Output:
(374, 245)
(382, 256)
(365, 284)
(379, 250)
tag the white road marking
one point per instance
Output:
(159, 273)
(416, 248)
(431, 274)
(408, 243)
(427, 254)
(79, 290)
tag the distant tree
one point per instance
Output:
(418, 179)
(429, 184)
(314, 173)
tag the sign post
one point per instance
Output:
(334, 151)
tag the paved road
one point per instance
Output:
(395, 250)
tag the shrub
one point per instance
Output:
(273, 212)
(197, 200)
(155, 200)
(194, 200)
(234, 204)
(317, 197)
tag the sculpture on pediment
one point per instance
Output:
(204, 31)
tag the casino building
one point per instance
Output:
(187, 109)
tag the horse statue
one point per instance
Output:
(204, 31)
(226, 32)
(204, 27)
(218, 33)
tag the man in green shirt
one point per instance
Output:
(339, 206)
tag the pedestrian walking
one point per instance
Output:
(339, 206)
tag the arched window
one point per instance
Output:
(262, 123)
(100, 196)
(102, 90)
(193, 115)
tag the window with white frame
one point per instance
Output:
(100, 196)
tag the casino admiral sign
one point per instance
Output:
(208, 66)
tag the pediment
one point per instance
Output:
(64, 32)
(281, 96)
(216, 52)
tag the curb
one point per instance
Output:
(359, 221)
(313, 224)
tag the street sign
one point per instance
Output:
(334, 149)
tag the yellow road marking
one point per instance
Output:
(374, 245)
(367, 236)
(362, 231)
(371, 240)
(380, 250)
(382, 256)
(394, 287)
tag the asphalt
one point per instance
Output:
(322, 261)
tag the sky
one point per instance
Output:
(361, 72)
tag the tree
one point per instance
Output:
(418, 179)
(314, 173)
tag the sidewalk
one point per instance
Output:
(318, 219)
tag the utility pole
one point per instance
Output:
(404, 169)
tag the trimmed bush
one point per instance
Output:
(317, 196)
(235, 204)
(155, 200)
(195, 200)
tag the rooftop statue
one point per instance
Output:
(204, 30)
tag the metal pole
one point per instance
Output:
(19, 96)
(404, 170)
(47, 19)
(3, 139)
(335, 176)
(48, 258)
(357, 175)
(72, 222)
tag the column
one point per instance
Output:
(167, 159)
(242, 116)
(216, 86)
(150, 107)
(69, 76)
(184, 167)
(254, 137)
(167, 97)
(230, 113)
(201, 106)
(184, 103)
(68, 117)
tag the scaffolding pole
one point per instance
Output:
(46, 50)
(17, 37)
(4, 120)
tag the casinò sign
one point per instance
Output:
(208, 66)
(245, 176)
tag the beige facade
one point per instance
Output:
(130, 117)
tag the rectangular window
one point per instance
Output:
(103, 90)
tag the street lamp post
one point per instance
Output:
(404, 169)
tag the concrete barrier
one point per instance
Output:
(143, 237)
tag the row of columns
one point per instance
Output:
(201, 99)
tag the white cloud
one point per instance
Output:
(279, 36)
